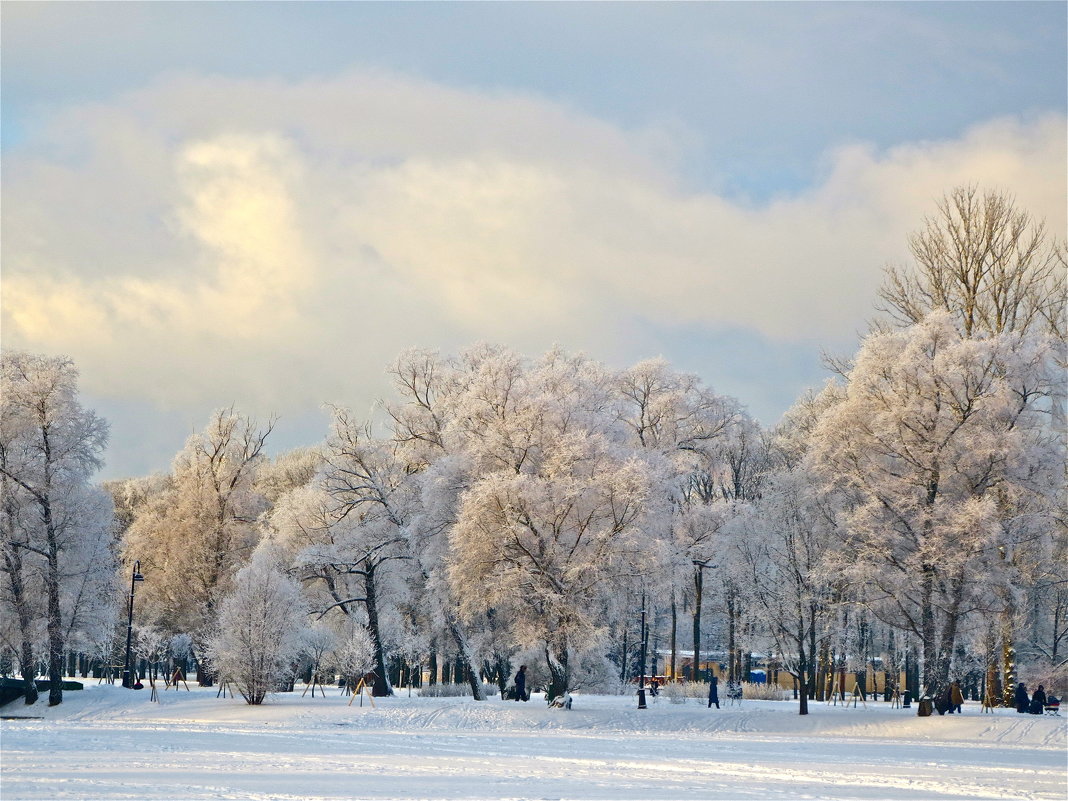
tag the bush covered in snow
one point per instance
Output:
(453, 690)
(679, 692)
(760, 691)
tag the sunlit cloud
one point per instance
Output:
(276, 244)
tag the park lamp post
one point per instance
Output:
(126, 680)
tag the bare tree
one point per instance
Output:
(990, 264)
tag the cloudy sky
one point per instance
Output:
(208, 204)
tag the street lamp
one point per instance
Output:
(126, 682)
(641, 662)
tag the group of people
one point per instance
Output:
(1036, 704)
(949, 700)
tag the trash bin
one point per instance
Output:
(906, 700)
(925, 707)
(641, 698)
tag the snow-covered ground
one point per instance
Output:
(108, 743)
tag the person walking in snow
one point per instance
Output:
(521, 684)
(956, 698)
(1022, 701)
(1038, 701)
(713, 692)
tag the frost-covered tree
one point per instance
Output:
(706, 445)
(89, 592)
(49, 447)
(372, 498)
(443, 432)
(317, 642)
(22, 591)
(345, 536)
(993, 268)
(259, 629)
(286, 472)
(353, 653)
(197, 530)
(784, 540)
(557, 514)
(943, 450)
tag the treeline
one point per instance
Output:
(505, 510)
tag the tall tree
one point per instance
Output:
(707, 443)
(355, 514)
(784, 541)
(49, 447)
(196, 533)
(943, 448)
(993, 268)
(21, 591)
(557, 514)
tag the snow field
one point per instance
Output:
(110, 743)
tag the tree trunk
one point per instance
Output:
(559, 674)
(55, 618)
(811, 667)
(29, 673)
(1008, 661)
(13, 565)
(699, 588)
(674, 642)
(823, 671)
(991, 685)
(465, 658)
(732, 643)
(949, 634)
(929, 667)
(382, 686)
(802, 679)
(504, 668)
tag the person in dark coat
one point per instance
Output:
(1038, 701)
(713, 692)
(1022, 701)
(521, 684)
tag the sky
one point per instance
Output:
(263, 204)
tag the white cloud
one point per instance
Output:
(276, 244)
